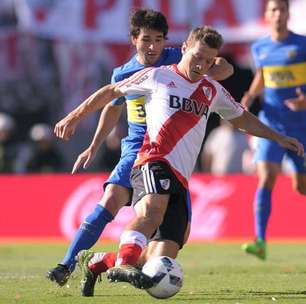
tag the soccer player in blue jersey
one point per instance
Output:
(148, 30)
(281, 73)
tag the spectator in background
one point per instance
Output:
(41, 155)
(8, 150)
(223, 150)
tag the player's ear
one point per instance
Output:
(133, 40)
(184, 47)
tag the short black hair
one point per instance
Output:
(148, 19)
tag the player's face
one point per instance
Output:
(277, 15)
(149, 45)
(197, 59)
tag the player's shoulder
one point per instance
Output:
(169, 55)
(127, 69)
(172, 51)
(298, 37)
(211, 81)
(261, 42)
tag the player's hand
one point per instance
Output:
(247, 100)
(292, 144)
(298, 103)
(65, 128)
(84, 159)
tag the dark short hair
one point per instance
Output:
(148, 19)
(206, 35)
(285, 1)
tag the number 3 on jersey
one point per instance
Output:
(136, 110)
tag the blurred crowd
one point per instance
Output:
(32, 102)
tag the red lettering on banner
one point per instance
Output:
(93, 8)
(222, 10)
(166, 9)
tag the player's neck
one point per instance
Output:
(143, 62)
(280, 35)
(182, 70)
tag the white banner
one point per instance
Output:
(107, 20)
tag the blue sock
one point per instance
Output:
(262, 211)
(87, 235)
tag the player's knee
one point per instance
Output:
(267, 175)
(113, 202)
(268, 180)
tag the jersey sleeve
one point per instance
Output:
(120, 100)
(225, 105)
(141, 83)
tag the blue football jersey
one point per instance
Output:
(284, 69)
(136, 115)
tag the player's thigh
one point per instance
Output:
(115, 197)
(117, 188)
(176, 221)
(152, 206)
(268, 158)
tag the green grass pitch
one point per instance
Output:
(214, 273)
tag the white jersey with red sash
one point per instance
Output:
(177, 112)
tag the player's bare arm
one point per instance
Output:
(298, 103)
(255, 89)
(108, 119)
(249, 123)
(65, 128)
(221, 69)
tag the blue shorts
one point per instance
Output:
(268, 150)
(121, 173)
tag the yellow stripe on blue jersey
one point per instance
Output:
(290, 75)
(136, 110)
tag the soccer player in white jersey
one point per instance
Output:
(179, 99)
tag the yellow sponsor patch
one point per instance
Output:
(291, 75)
(136, 112)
